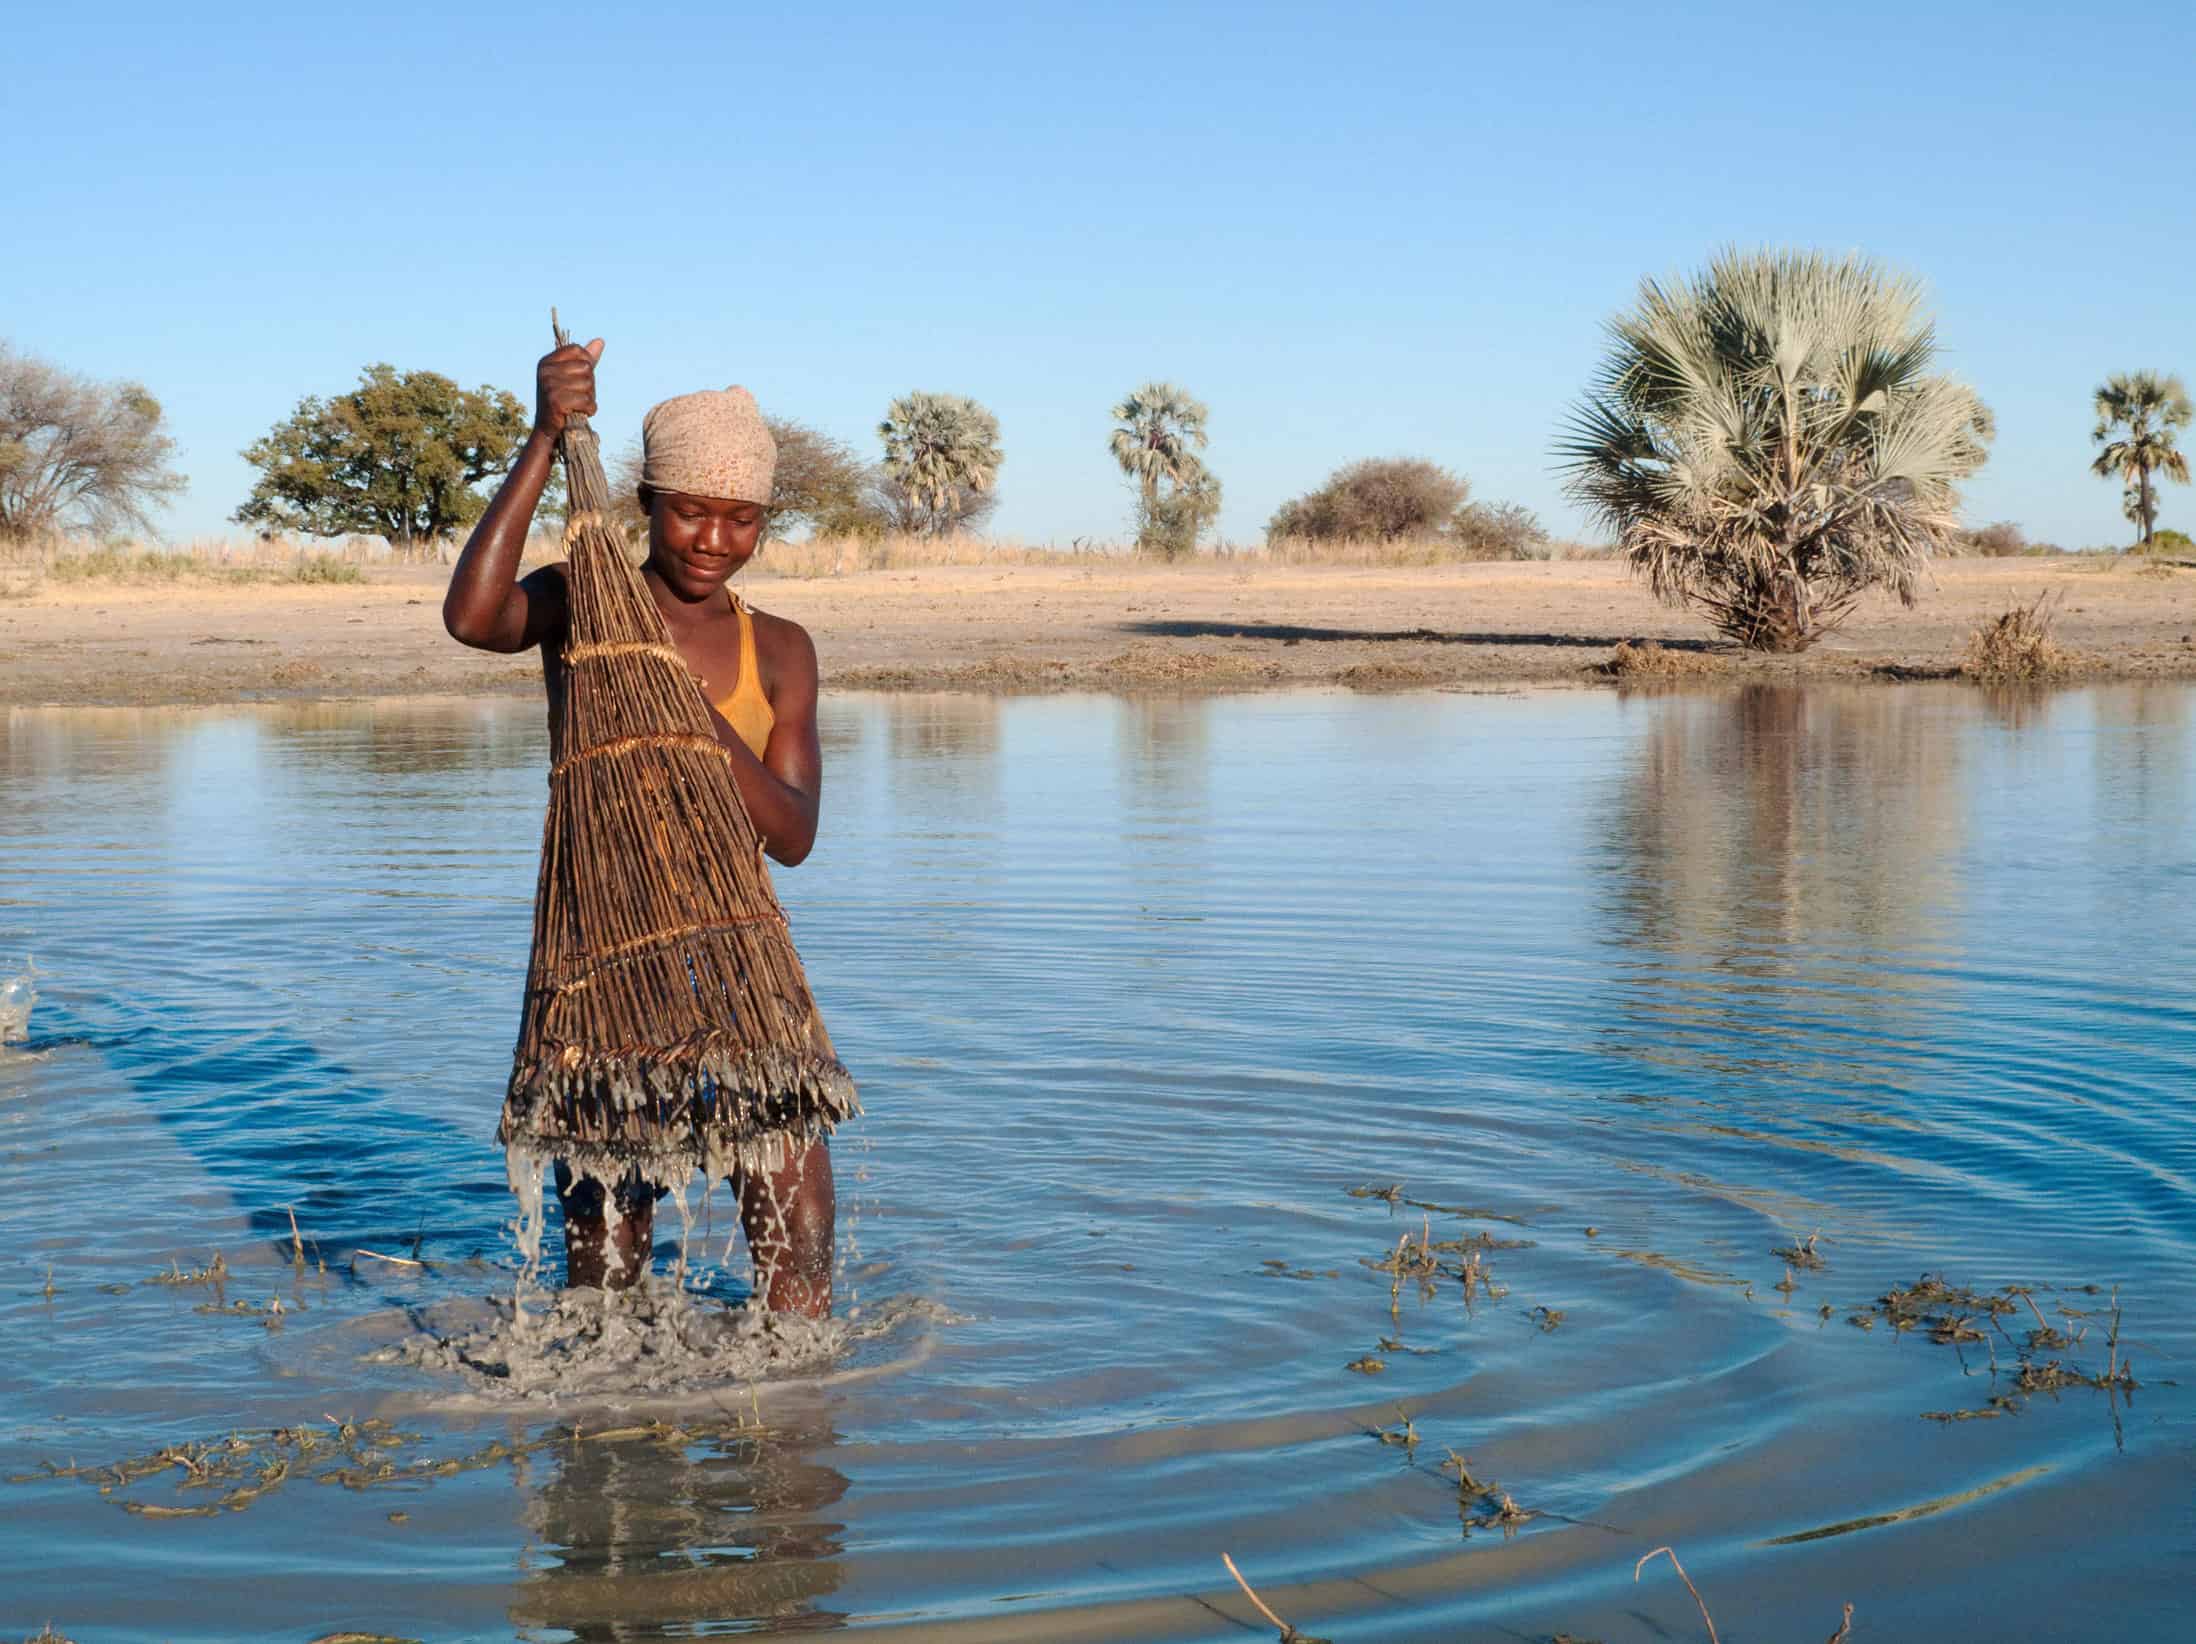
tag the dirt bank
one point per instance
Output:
(1083, 625)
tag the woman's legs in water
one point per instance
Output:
(788, 1215)
(597, 1252)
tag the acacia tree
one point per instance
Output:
(398, 457)
(78, 454)
(2151, 410)
(941, 462)
(1158, 431)
(1768, 441)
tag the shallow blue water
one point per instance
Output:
(1137, 989)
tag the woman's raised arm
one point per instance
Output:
(488, 606)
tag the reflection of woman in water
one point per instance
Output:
(706, 476)
(648, 1535)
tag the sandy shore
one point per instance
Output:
(1079, 625)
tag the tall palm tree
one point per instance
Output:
(1768, 441)
(1158, 431)
(941, 457)
(2150, 408)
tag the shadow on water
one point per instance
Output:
(650, 1539)
(276, 1124)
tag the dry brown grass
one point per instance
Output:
(67, 562)
(1651, 660)
(1399, 551)
(2017, 648)
(847, 556)
(844, 556)
(26, 567)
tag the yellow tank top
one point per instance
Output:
(747, 710)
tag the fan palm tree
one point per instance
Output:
(1158, 431)
(2150, 409)
(1768, 441)
(941, 456)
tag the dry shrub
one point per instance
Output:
(1384, 498)
(2018, 647)
(1364, 676)
(2001, 539)
(1498, 530)
(1649, 659)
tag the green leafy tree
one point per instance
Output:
(1769, 440)
(399, 457)
(2139, 418)
(77, 454)
(1158, 431)
(941, 462)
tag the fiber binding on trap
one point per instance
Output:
(667, 1025)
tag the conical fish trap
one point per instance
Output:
(668, 1024)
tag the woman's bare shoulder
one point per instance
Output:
(784, 647)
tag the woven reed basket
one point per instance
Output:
(667, 1025)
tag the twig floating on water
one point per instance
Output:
(398, 1261)
(1289, 1635)
(1689, 1587)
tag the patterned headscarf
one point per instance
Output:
(711, 444)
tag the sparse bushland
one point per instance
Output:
(2139, 418)
(1768, 442)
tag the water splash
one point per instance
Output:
(18, 994)
(655, 1338)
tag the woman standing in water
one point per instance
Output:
(707, 465)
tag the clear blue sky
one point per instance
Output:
(1353, 231)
